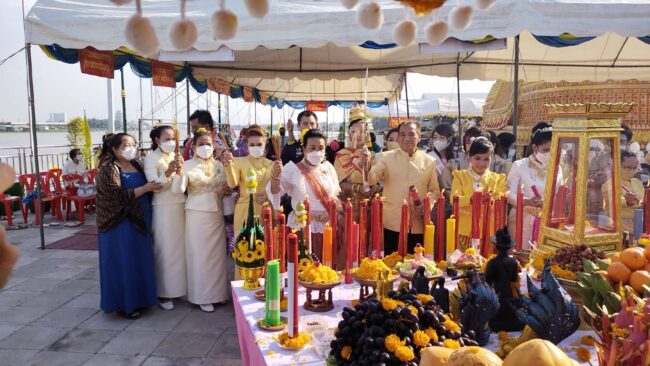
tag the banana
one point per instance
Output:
(589, 266)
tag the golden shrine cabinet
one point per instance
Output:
(584, 177)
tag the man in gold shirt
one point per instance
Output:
(399, 169)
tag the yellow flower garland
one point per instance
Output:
(421, 339)
(433, 335)
(451, 325)
(404, 353)
(450, 343)
(392, 342)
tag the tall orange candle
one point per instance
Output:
(440, 228)
(427, 209)
(282, 243)
(363, 230)
(519, 223)
(327, 245)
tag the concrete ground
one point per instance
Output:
(49, 315)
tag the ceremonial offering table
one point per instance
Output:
(259, 347)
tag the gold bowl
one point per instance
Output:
(251, 276)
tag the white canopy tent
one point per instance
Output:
(431, 104)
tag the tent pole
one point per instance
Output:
(141, 117)
(406, 88)
(123, 100)
(515, 112)
(187, 100)
(32, 111)
(460, 124)
(109, 93)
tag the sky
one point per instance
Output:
(61, 87)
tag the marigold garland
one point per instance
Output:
(450, 343)
(583, 354)
(420, 338)
(424, 298)
(388, 304)
(296, 342)
(451, 325)
(404, 354)
(433, 335)
(371, 268)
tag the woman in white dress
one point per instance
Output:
(168, 217)
(314, 178)
(526, 173)
(204, 179)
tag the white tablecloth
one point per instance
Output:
(318, 348)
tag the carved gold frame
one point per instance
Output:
(583, 130)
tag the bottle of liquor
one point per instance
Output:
(626, 240)
(415, 198)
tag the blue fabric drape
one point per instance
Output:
(563, 40)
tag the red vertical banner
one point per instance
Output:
(98, 63)
(316, 106)
(248, 94)
(163, 74)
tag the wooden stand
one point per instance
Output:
(322, 304)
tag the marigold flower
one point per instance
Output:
(420, 338)
(388, 304)
(451, 343)
(433, 335)
(583, 354)
(404, 354)
(392, 342)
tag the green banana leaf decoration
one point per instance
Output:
(250, 248)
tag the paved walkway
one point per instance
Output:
(49, 315)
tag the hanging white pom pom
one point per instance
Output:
(484, 4)
(257, 8)
(120, 2)
(634, 148)
(141, 35)
(404, 32)
(370, 16)
(436, 33)
(183, 34)
(460, 17)
(349, 4)
(224, 24)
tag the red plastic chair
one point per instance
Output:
(79, 202)
(28, 181)
(91, 174)
(8, 201)
(54, 183)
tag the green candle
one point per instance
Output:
(272, 316)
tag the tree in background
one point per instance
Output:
(76, 132)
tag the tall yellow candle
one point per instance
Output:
(429, 231)
(451, 235)
(327, 245)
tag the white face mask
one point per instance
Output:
(440, 145)
(129, 153)
(168, 146)
(256, 151)
(315, 157)
(392, 145)
(204, 151)
(543, 157)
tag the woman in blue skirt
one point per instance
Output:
(126, 267)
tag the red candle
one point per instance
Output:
(498, 224)
(456, 212)
(307, 230)
(520, 220)
(403, 230)
(477, 197)
(293, 285)
(440, 228)
(349, 252)
(363, 229)
(504, 210)
(535, 191)
(355, 245)
(427, 210)
(485, 239)
(646, 210)
(559, 206)
(282, 243)
(333, 219)
(381, 226)
(267, 221)
(375, 226)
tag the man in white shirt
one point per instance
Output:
(74, 165)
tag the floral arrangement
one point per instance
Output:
(246, 255)
(470, 259)
(319, 274)
(623, 337)
(296, 342)
(394, 330)
(409, 266)
(301, 215)
(371, 268)
(393, 258)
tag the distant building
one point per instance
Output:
(57, 117)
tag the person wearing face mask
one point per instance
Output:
(292, 151)
(200, 119)
(526, 173)
(632, 191)
(126, 263)
(462, 161)
(499, 164)
(204, 180)
(313, 177)
(477, 177)
(400, 169)
(443, 149)
(390, 143)
(237, 167)
(75, 164)
(161, 165)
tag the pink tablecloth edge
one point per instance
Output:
(250, 352)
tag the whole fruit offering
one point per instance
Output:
(394, 331)
(570, 258)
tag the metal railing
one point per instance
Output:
(22, 158)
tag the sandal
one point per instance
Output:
(132, 316)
